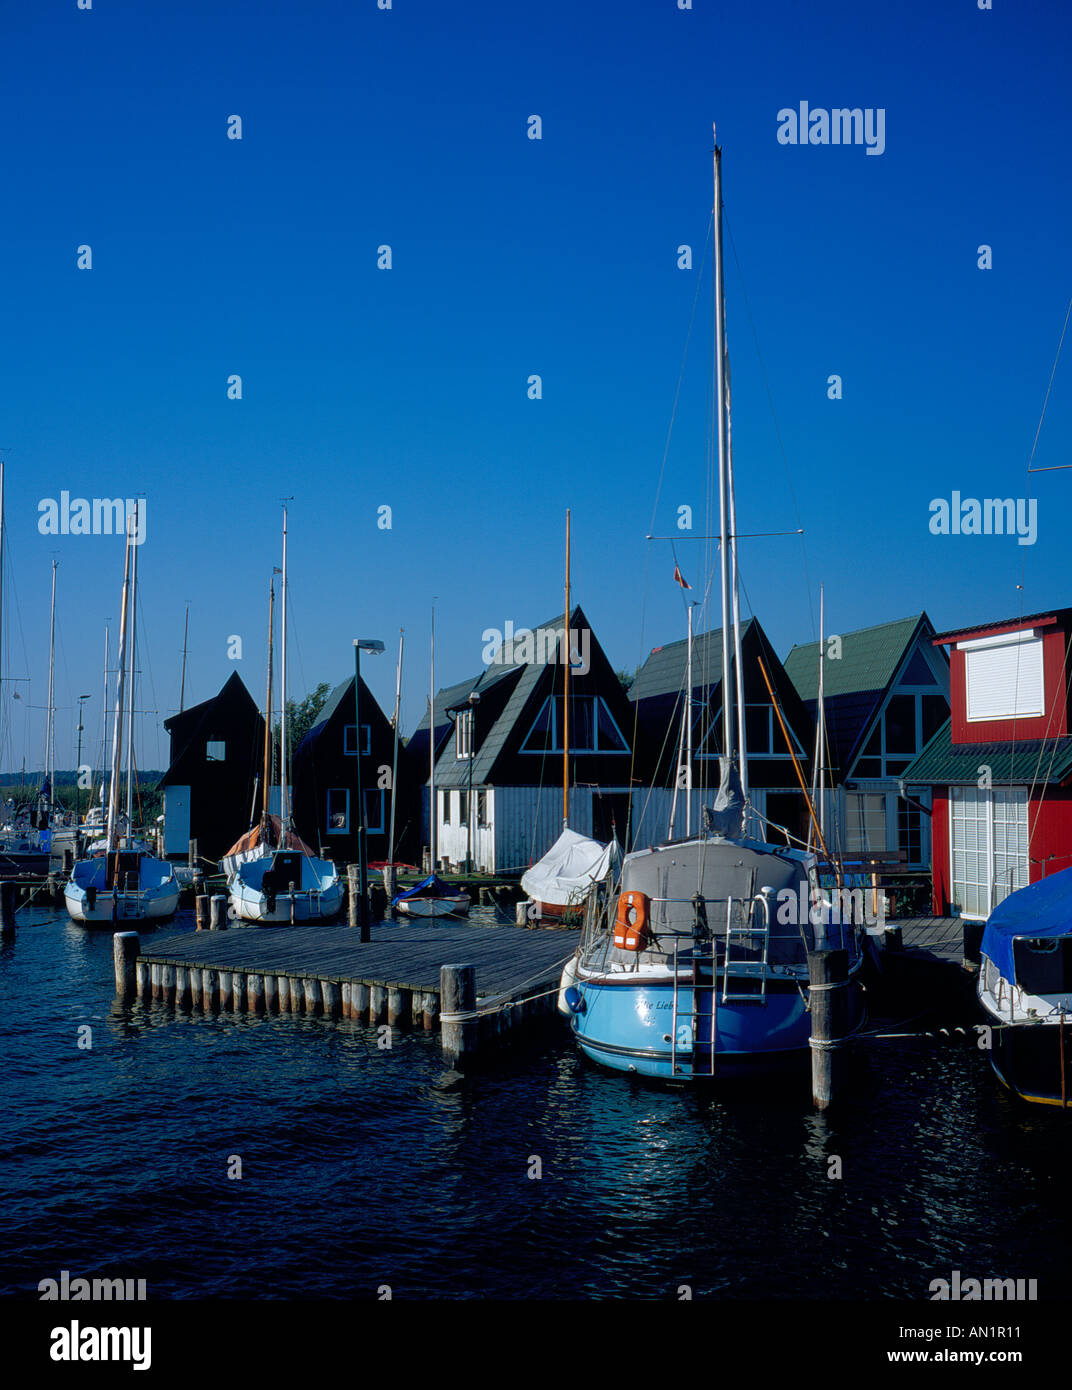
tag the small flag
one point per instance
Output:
(679, 577)
(276, 570)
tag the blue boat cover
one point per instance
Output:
(430, 887)
(1039, 910)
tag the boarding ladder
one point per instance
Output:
(741, 968)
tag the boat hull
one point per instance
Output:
(131, 907)
(1027, 1060)
(300, 908)
(435, 907)
(630, 1027)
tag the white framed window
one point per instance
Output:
(865, 821)
(1003, 677)
(215, 751)
(592, 727)
(463, 734)
(988, 846)
(444, 798)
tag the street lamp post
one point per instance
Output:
(369, 645)
(78, 762)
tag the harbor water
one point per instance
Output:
(286, 1158)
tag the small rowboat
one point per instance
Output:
(432, 898)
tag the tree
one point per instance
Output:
(626, 679)
(301, 716)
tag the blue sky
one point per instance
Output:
(408, 387)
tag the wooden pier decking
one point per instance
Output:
(403, 976)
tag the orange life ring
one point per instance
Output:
(632, 935)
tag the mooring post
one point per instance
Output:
(7, 907)
(217, 912)
(353, 893)
(125, 948)
(68, 861)
(390, 881)
(971, 948)
(521, 913)
(828, 973)
(193, 854)
(457, 993)
(201, 912)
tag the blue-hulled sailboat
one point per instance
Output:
(697, 963)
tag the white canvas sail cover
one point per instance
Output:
(568, 870)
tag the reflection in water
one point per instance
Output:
(364, 1166)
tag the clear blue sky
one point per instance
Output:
(407, 388)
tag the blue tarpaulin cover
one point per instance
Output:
(430, 887)
(1042, 909)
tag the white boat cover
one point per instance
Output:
(568, 870)
(255, 845)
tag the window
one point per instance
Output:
(463, 814)
(935, 711)
(215, 752)
(988, 846)
(1003, 676)
(444, 798)
(463, 735)
(349, 739)
(865, 821)
(910, 832)
(592, 727)
(482, 810)
(338, 811)
(375, 801)
(762, 734)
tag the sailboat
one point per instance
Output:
(274, 878)
(699, 966)
(124, 882)
(561, 883)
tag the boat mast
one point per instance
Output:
(822, 721)
(284, 800)
(394, 759)
(104, 715)
(133, 675)
(2, 722)
(266, 784)
(567, 657)
(432, 827)
(182, 684)
(117, 728)
(688, 731)
(50, 725)
(725, 525)
(736, 602)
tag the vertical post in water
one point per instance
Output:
(125, 948)
(457, 994)
(7, 907)
(828, 973)
(353, 891)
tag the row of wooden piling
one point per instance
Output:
(202, 989)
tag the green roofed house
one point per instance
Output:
(886, 692)
(507, 746)
(661, 748)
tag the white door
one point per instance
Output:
(988, 846)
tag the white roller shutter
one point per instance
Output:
(1003, 676)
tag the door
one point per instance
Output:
(176, 820)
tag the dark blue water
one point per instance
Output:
(363, 1167)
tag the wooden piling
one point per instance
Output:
(155, 970)
(196, 979)
(398, 1007)
(828, 973)
(271, 994)
(311, 990)
(68, 861)
(457, 993)
(255, 994)
(971, 949)
(521, 914)
(297, 995)
(353, 894)
(201, 912)
(210, 990)
(144, 981)
(182, 987)
(345, 994)
(225, 989)
(429, 1011)
(331, 998)
(238, 991)
(378, 1004)
(283, 991)
(360, 995)
(192, 854)
(125, 948)
(217, 912)
(167, 983)
(7, 907)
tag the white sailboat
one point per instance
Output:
(124, 882)
(274, 879)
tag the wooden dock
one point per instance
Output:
(474, 982)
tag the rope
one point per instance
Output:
(496, 1002)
